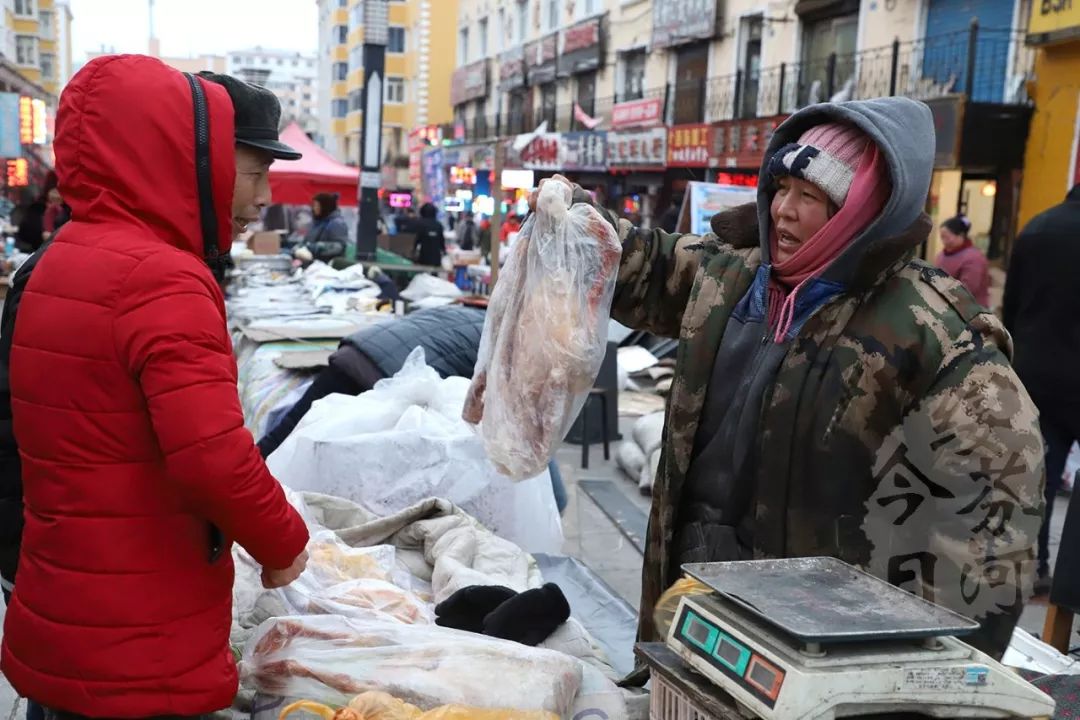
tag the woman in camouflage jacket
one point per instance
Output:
(859, 404)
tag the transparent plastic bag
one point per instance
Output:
(545, 334)
(332, 659)
(668, 604)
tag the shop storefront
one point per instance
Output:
(1052, 161)
(26, 128)
(978, 163)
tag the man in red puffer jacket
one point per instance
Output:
(137, 471)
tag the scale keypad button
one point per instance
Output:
(765, 676)
(732, 654)
(699, 632)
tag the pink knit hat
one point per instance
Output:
(827, 155)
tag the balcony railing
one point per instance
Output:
(987, 65)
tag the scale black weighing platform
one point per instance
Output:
(818, 638)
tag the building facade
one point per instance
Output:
(292, 76)
(417, 83)
(606, 78)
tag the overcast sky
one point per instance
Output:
(191, 27)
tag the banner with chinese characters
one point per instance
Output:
(546, 151)
(586, 151)
(690, 145)
(742, 143)
(638, 149)
(469, 83)
(676, 22)
(637, 113)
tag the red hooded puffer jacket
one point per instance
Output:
(127, 417)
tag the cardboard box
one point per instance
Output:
(265, 243)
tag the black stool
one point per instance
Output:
(601, 395)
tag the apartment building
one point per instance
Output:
(292, 76)
(419, 64)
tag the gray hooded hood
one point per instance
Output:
(903, 130)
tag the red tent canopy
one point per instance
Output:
(295, 182)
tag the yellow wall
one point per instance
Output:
(443, 57)
(1049, 148)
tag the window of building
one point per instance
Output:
(342, 34)
(586, 8)
(521, 22)
(500, 29)
(356, 57)
(25, 50)
(24, 8)
(339, 108)
(45, 22)
(482, 32)
(395, 90)
(342, 3)
(463, 46)
(341, 71)
(633, 76)
(551, 17)
(296, 63)
(395, 39)
(307, 97)
(48, 66)
(356, 100)
(547, 105)
(586, 92)
(356, 16)
(823, 37)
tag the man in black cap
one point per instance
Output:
(119, 381)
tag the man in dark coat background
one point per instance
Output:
(1042, 312)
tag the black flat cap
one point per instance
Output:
(258, 114)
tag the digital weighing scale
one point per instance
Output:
(817, 638)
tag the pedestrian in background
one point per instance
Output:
(328, 237)
(430, 237)
(1042, 312)
(468, 235)
(962, 260)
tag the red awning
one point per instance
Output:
(295, 182)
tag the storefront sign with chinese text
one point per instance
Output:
(682, 21)
(469, 83)
(643, 148)
(462, 175)
(18, 172)
(512, 69)
(637, 113)
(545, 152)
(540, 59)
(742, 143)
(689, 145)
(585, 151)
(582, 48)
(26, 120)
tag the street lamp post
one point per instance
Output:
(375, 38)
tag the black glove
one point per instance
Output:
(467, 608)
(529, 617)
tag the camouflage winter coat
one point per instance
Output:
(895, 437)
